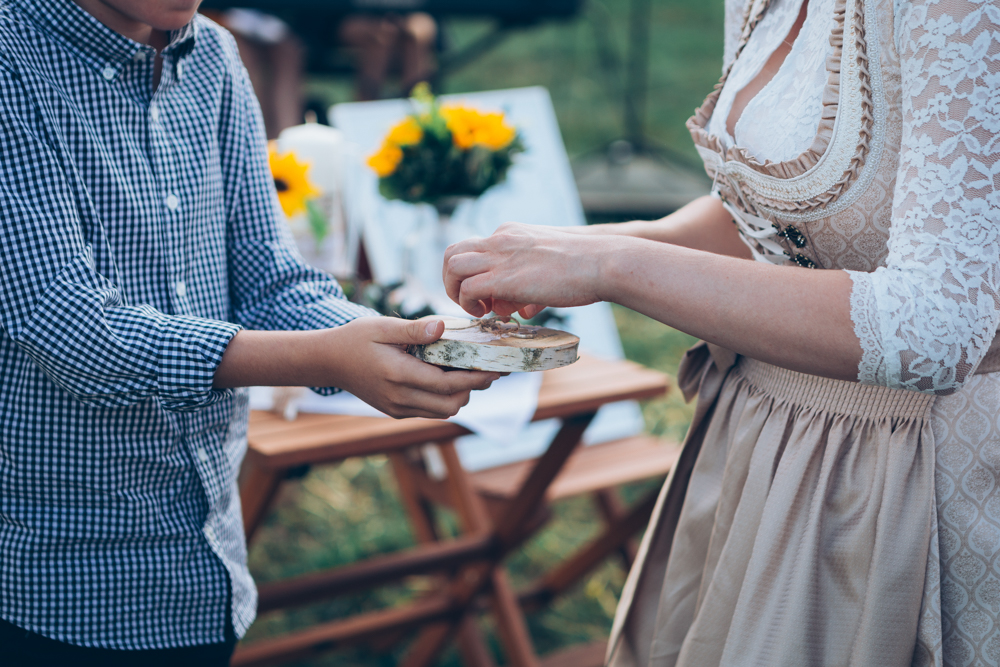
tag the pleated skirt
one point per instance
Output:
(796, 528)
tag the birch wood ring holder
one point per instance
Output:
(495, 345)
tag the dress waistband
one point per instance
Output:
(838, 396)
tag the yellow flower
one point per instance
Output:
(406, 133)
(470, 127)
(291, 180)
(385, 161)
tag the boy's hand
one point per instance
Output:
(372, 364)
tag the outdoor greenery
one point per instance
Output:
(581, 62)
(336, 515)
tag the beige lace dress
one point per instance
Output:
(813, 521)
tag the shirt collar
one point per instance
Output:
(97, 44)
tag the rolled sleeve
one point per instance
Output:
(105, 353)
(272, 286)
(188, 358)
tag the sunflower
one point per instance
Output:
(385, 161)
(291, 180)
(470, 127)
(405, 133)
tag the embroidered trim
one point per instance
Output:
(803, 184)
(876, 146)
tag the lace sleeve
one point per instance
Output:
(926, 320)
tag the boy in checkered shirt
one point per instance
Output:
(146, 278)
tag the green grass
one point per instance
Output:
(340, 514)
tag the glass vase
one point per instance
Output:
(445, 221)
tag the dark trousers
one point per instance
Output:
(20, 648)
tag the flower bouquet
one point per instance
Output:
(444, 151)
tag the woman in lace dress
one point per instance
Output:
(837, 500)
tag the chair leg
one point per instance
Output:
(590, 556)
(257, 490)
(469, 505)
(472, 646)
(613, 510)
(413, 502)
(470, 641)
(509, 533)
(429, 644)
(511, 624)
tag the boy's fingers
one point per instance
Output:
(432, 379)
(417, 403)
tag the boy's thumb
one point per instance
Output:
(421, 332)
(395, 331)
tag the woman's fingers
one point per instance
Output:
(529, 311)
(474, 291)
(466, 247)
(460, 266)
(516, 266)
(506, 308)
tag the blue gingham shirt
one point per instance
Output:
(138, 232)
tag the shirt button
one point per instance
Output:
(139, 56)
(179, 70)
(154, 112)
(181, 288)
(209, 533)
(108, 73)
(172, 202)
(202, 454)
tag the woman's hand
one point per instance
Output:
(366, 357)
(523, 268)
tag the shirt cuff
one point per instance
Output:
(189, 355)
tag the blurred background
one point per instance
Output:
(623, 77)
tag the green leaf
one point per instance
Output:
(318, 224)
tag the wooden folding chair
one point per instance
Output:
(480, 499)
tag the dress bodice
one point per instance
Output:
(793, 100)
(892, 176)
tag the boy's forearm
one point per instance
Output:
(365, 357)
(278, 358)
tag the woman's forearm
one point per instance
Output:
(795, 318)
(792, 317)
(702, 224)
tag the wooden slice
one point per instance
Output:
(502, 348)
